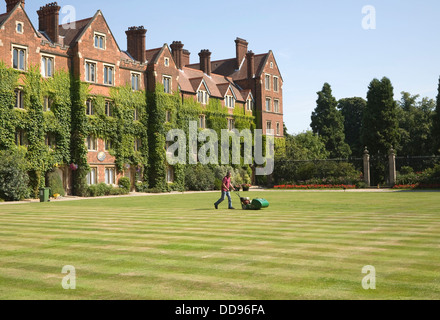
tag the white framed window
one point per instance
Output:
(202, 97)
(231, 124)
(92, 143)
(167, 84)
(137, 145)
(170, 174)
(108, 109)
(108, 145)
(230, 101)
(20, 138)
(47, 66)
(167, 62)
(90, 110)
(90, 71)
(110, 175)
(271, 65)
(19, 57)
(19, 99)
(268, 104)
(249, 104)
(202, 121)
(92, 176)
(278, 129)
(99, 40)
(275, 84)
(47, 104)
(109, 75)
(135, 81)
(268, 126)
(50, 140)
(19, 28)
(276, 105)
(267, 81)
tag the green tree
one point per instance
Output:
(328, 124)
(435, 132)
(352, 110)
(380, 130)
(415, 124)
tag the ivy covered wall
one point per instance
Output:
(135, 116)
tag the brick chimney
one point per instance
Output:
(10, 4)
(48, 19)
(205, 61)
(250, 57)
(136, 43)
(177, 51)
(185, 58)
(241, 47)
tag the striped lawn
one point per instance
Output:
(307, 245)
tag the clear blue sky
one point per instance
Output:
(314, 41)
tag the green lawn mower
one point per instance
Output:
(256, 204)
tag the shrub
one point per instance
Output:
(14, 179)
(141, 186)
(199, 178)
(55, 184)
(102, 189)
(125, 183)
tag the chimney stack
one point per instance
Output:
(10, 4)
(205, 61)
(241, 47)
(250, 57)
(136, 43)
(185, 58)
(48, 18)
(177, 51)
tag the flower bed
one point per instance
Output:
(416, 186)
(315, 187)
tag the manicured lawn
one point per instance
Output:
(307, 245)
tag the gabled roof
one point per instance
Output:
(153, 55)
(191, 79)
(72, 36)
(5, 16)
(227, 67)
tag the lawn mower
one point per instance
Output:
(256, 204)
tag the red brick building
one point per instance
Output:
(250, 83)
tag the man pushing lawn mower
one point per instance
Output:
(246, 203)
(226, 191)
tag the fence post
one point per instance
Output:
(392, 166)
(367, 167)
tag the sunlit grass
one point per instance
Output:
(304, 246)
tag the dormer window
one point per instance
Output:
(100, 41)
(249, 104)
(202, 97)
(230, 101)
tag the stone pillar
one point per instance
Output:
(367, 167)
(392, 166)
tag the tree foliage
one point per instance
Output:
(380, 127)
(415, 125)
(352, 109)
(328, 124)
